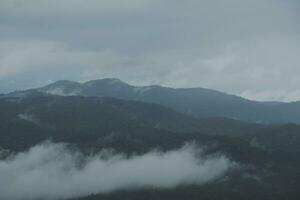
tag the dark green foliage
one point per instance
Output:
(268, 155)
(78, 118)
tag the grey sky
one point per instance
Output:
(245, 47)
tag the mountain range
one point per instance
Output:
(196, 102)
(109, 113)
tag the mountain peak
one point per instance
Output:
(62, 87)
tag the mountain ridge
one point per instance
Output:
(268, 155)
(196, 102)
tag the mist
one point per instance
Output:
(53, 171)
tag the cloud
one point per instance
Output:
(81, 8)
(35, 63)
(36, 56)
(52, 171)
(265, 95)
(29, 117)
(234, 46)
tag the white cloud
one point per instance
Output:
(66, 8)
(267, 95)
(18, 57)
(52, 171)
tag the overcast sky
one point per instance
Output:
(244, 47)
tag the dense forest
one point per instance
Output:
(267, 155)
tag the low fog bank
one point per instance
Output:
(53, 171)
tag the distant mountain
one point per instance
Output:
(196, 102)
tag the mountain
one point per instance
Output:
(36, 115)
(196, 102)
(266, 155)
(282, 141)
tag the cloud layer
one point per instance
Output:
(52, 171)
(241, 47)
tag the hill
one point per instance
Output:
(196, 102)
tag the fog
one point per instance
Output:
(53, 171)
